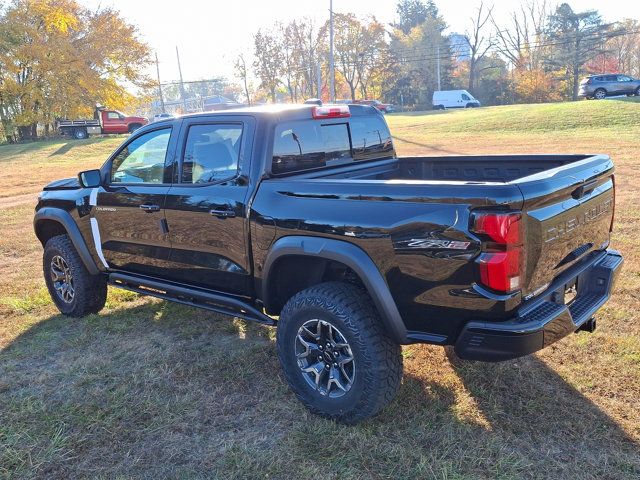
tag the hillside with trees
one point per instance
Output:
(539, 55)
(58, 60)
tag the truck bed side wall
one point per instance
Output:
(416, 234)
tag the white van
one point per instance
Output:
(453, 99)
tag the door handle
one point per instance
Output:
(222, 214)
(150, 208)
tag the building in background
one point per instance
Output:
(460, 47)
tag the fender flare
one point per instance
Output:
(64, 218)
(353, 257)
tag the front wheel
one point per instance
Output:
(335, 355)
(72, 288)
(600, 94)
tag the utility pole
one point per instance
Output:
(438, 67)
(319, 81)
(159, 84)
(182, 93)
(332, 73)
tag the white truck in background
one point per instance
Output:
(443, 99)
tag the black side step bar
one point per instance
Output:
(187, 296)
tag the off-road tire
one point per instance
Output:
(377, 359)
(90, 291)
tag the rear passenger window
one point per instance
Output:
(308, 145)
(370, 138)
(211, 153)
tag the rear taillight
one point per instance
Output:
(501, 262)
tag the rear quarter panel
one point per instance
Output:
(415, 232)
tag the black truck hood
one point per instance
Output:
(64, 184)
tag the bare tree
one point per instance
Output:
(290, 71)
(308, 43)
(268, 62)
(520, 42)
(479, 43)
(349, 48)
(372, 59)
(240, 66)
(625, 47)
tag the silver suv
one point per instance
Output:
(602, 86)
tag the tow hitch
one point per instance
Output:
(588, 326)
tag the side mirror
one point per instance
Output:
(90, 178)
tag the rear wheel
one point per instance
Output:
(133, 127)
(600, 94)
(335, 354)
(80, 133)
(438, 107)
(73, 289)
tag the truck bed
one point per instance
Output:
(390, 207)
(79, 123)
(480, 168)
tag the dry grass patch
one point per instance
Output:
(149, 389)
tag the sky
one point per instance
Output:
(211, 33)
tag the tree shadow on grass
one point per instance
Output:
(163, 390)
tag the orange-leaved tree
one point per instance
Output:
(58, 59)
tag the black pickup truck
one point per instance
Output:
(304, 217)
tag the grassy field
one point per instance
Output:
(156, 390)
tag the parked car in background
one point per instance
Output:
(104, 122)
(218, 102)
(603, 86)
(383, 107)
(161, 116)
(443, 99)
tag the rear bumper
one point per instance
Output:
(546, 319)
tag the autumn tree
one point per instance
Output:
(412, 13)
(309, 51)
(416, 55)
(268, 62)
(55, 61)
(576, 37)
(622, 50)
(349, 48)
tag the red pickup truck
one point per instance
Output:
(104, 122)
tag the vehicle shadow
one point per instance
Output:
(145, 389)
(546, 419)
(428, 146)
(64, 148)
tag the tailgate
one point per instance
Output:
(568, 213)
